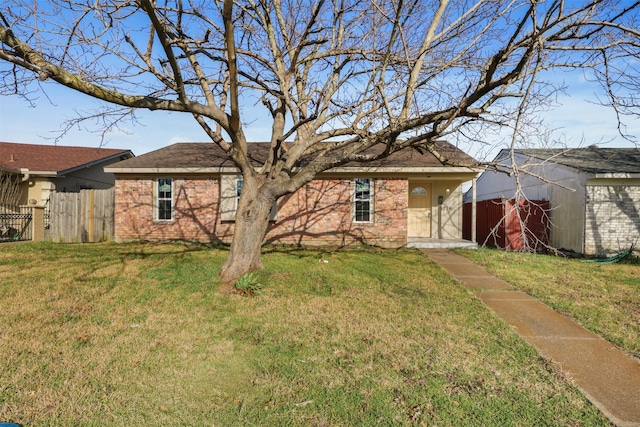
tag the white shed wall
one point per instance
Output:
(562, 186)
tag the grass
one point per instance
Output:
(108, 334)
(604, 298)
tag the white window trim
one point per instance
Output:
(236, 195)
(371, 201)
(229, 199)
(156, 200)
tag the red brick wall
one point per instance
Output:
(317, 214)
(195, 214)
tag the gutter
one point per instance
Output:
(619, 175)
(46, 174)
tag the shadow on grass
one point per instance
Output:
(298, 252)
(187, 247)
(302, 252)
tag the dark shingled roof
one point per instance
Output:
(591, 159)
(208, 154)
(53, 158)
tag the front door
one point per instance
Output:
(419, 215)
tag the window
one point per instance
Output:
(419, 191)
(239, 183)
(230, 190)
(164, 199)
(363, 200)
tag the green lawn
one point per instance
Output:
(604, 298)
(109, 334)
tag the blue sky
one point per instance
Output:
(578, 123)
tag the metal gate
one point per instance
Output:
(15, 223)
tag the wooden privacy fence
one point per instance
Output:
(87, 216)
(498, 224)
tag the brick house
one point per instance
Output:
(593, 193)
(44, 169)
(189, 191)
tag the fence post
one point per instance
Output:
(91, 209)
(474, 211)
(37, 223)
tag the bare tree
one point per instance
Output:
(10, 190)
(336, 77)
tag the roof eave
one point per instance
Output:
(233, 170)
(128, 153)
(44, 174)
(10, 170)
(159, 170)
(407, 169)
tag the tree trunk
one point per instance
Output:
(252, 220)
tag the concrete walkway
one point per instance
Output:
(608, 377)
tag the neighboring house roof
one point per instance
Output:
(208, 157)
(53, 160)
(591, 159)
